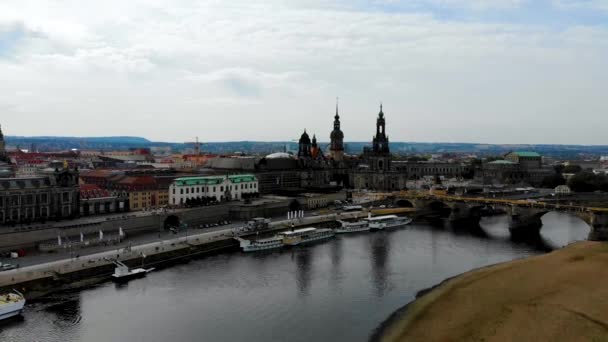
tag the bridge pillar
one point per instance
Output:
(464, 214)
(599, 226)
(525, 221)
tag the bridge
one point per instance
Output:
(525, 214)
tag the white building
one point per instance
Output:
(562, 190)
(220, 187)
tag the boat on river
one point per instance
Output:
(387, 222)
(261, 244)
(305, 235)
(122, 272)
(11, 304)
(352, 227)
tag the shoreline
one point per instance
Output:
(438, 313)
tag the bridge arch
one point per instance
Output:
(404, 203)
(172, 221)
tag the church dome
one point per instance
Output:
(279, 155)
(305, 139)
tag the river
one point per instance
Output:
(338, 290)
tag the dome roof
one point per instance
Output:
(304, 139)
(279, 155)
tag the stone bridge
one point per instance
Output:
(525, 215)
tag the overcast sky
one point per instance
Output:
(491, 71)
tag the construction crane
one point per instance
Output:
(197, 150)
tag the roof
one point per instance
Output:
(208, 180)
(526, 154)
(242, 178)
(212, 180)
(278, 155)
(501, 162)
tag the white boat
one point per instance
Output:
(305, 235)
(352, 227)
(11, 304)
(123, 273)
(387, 222)
(261, 244)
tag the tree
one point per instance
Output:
(588, 182)
(553, 181)
(572, 169)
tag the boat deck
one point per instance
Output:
(10, 298)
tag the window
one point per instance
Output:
(66, 197)
(43, 212)
(15, 200)
(181, 191)
(221, 188)
(242, 186)
(187, 190)
(174, 191)
(213, 189)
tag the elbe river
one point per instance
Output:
(337, 290)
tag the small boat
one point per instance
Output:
(352, 227)
(123, 273)
(11, 304)
(261, 244)
(305, 235)
(387, 222)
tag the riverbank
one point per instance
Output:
(560, 296)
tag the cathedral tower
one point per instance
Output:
(381, 139)
(336, 147)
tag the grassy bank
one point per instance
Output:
(560, 296)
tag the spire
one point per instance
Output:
(337, 116)
(314, 139)
(381, 114)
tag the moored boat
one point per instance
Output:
(305, 235)
(261, 244)
(352, 227)
(123, 273)
(11, 304)
(387, 222)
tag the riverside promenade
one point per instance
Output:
(65, 266)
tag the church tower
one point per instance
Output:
(304, 146)
(2, 145)
(336, 147)
(381, 139)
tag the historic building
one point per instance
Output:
(222, 188)
(32, 199)
(3, 155)
(517, 167)
(375, 170)
(336, 146)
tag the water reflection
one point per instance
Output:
(338, 290)
(66, 311)
(379, 245)
(303, 258)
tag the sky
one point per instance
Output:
(486, 71)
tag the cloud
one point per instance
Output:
(581, 4)
(168, 70)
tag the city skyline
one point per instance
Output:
(496, 72)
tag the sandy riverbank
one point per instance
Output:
(560, 296)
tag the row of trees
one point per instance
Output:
(581, 182)
(201, 201)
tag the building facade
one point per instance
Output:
(375, 171)
(336, 146)
(37, 199)
(221, 188)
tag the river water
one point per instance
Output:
(338, 290)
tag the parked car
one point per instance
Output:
(6, 267)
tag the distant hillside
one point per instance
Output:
(264, 147)
(45, 143)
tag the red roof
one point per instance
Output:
(92, 191)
